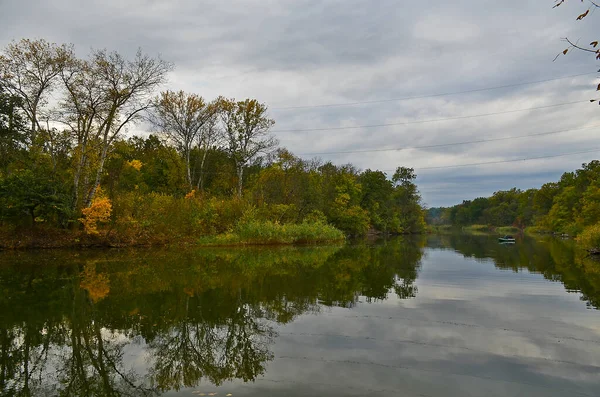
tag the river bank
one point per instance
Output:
(588, 240)
(249, 233)
(475, 229)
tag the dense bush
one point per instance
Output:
(267, 232)
(165, 217)
(28, 197)
(590, 237)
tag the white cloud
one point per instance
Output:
(311, 52)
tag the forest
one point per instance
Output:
(97, 151)
(570, 206)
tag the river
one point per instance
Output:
(437, 316)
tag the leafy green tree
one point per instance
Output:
(352, 219)
(377, 192)
(438, 216)
(587, 174)
(13, 135)
(503, 208)
(590, 200)
(284, 181)
(344, 210)
(408, 215)
(147, 165)
(543, 199)
(526, 212)
(32, 196)
(246, 127)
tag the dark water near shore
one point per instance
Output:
(439, 316)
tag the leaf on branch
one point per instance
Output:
(585, 14)
(598, 89)
(594, 44)
(565, 51)
(558, 3)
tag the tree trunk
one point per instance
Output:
(188, 168)
(33, 127)
(100, 365)
(76, 177)
(26, 390)
(82, 143)
(92, 192)
(34, 121)
(11, 116)
(200, 185)
(240, 173)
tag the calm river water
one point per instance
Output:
(440, 316)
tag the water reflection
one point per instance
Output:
(556, 259)
(146, 322)
(442, 316)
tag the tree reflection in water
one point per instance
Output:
(556, 259)
(70, 323)
(137, 323)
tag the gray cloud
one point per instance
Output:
(289, 53)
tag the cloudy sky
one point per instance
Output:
(299, 55)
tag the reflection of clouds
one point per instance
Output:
(404, 362)
(471, 330)
(115, 336)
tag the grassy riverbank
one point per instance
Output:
(247, 233)
(474, 229)
(265, 233)
(588, 240)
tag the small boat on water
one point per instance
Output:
(506, 239)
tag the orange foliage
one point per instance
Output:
(191, 194)
(99, 211)
(96, 284)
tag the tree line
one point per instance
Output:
(69, 161)
(571, 205)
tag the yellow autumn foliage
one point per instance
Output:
(98, 212)
(96, 284)
(137, 164)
